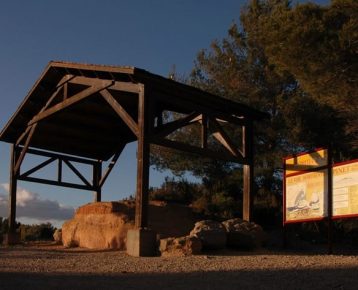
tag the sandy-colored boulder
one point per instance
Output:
(98, 226)
(182, 246)
(244, 234)
(102, 225)
(57, 236)
(211, 233)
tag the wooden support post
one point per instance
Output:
(248, 171)
(59, 170)
(330, 200)
(97, 175)
(204, 131)
(12, 191)
(141, 212)
(160, 119)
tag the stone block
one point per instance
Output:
(142, 243)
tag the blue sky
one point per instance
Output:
(154, 35)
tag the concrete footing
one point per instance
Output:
(142, 243)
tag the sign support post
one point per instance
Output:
(330, 202)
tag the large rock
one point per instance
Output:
(104, 225)
(57, 236)
(182, 246)
(99, 225)
(244, 234)
(211, 233)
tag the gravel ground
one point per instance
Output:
(54, 267)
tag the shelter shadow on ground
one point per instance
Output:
(338, 278)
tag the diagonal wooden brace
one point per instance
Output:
(168, 128)
(24, 149)
(70, 101)
(220, 135)
(121, 112)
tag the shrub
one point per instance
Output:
(39, 232)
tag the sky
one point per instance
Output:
(154, 35)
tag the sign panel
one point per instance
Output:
(306, 162)
(345, 189)
(306, 196)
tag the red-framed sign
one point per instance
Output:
(305, 186)
(305, 196)
(307, 179)
(345, 189)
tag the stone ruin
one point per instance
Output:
(104, 225)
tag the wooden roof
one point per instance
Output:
(91, 128)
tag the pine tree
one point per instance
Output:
(241, 68)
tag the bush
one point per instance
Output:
(171, 190)
(3, 228)
(217, 206)
(41, 232)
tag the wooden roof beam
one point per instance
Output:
(168, 128)
(180, 146)
(220, 135)
(122, 113)
(191, 105)
(116, 85)
(70, 101)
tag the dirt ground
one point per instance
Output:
(47, 266)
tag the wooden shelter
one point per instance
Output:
(81, 113)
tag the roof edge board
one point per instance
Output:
(93, 67)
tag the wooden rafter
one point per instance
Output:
(116, 85)
(122, 113)
(192, 105)
(69, 102)
(168, 128)
(204, 152)
(220, 135)
(59, 86)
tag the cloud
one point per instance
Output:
(30, 205)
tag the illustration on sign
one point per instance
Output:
(345, 189)
(306, 196)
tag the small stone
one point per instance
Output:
(211, 233)
(57, 236)
(181, 246)
(244, 234)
